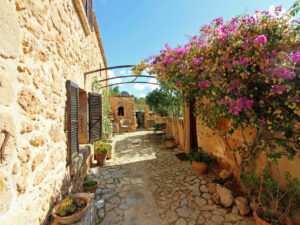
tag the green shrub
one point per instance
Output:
(69, 206)
(199, 155)
(167, 138)
(100, 146)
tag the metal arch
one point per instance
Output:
(141, 82)
(126, 76)
(111, 78)
(107, 68)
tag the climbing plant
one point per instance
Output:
(240, 71)
(106, 111)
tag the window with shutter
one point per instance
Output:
(72, 118)
(95, 117)
(84, 3)
(89, 13)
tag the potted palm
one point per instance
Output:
(272, 204)
(71, 209)
(170, 142)
(200, 160)
(100, 151)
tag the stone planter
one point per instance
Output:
(170, 143)
(74, 217)
(199, 168)
(101, 158)
(260, 221)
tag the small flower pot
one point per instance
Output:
(170, 143)
(260, 221)
(74, 217)
(87, 189)
(101, 158)
(199, 168)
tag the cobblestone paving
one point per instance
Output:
(145, 184)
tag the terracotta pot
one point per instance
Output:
(101, 158)
(74, 217)
(86, 189)
(170, 143)
(199, 168)
(260, 221)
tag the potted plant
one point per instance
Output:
(272, 204)
(71, 209)
(170, 142)
(109, 153)
(200, 160)
(101, 150)
(89, 186)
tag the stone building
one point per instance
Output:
(122, 108)
(129, 115)
(45, 49)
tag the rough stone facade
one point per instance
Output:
(42, 44)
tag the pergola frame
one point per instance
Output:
(126, 76)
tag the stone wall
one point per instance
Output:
(214, 144)
(42, 44)
(175, 128)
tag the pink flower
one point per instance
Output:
(262, 121)
(260, 39)
(178, 83)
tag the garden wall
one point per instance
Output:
(214, 144)
(175, 128)
(42, 44)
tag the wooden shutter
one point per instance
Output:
(89, 13)
(84, 4)
(72, 118)
(95, 117)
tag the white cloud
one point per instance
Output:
(153, 80)
(283, 12)
(123, 72)
(111, 74)
(153, 87)
(139, 87)
(143, 95)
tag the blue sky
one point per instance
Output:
(131, 30)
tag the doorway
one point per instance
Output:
(193, 125)
(140, 119)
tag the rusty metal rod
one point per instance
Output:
(129, 83)
(148, 76)
(108, 68)
(7, 134)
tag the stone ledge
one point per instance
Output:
(80, 158)
(89, 218)
(85, 150)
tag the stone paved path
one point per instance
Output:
(145, 184)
